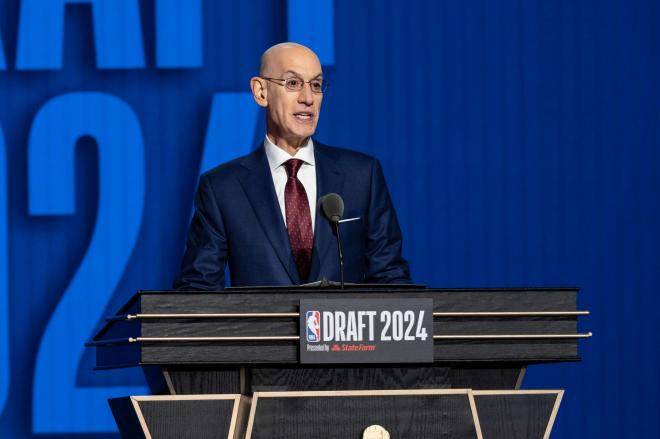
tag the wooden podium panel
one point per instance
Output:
(517, 414)
(181, 417)
(416, 414)
(261, 326)
(385, 377)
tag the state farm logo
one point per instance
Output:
(313, 326)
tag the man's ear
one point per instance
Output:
(259, 91)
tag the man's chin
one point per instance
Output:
(304, 135)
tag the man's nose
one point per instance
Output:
(306, 96)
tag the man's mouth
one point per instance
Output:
(304, 116)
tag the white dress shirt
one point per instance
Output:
(306, 174)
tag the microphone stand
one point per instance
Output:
(341, 255)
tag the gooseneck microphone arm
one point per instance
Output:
(332, 208)
(341, 255)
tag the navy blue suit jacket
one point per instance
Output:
(238, 221)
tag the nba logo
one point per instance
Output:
(313, 326)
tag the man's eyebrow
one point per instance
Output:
(293, 72)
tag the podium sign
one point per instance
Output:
(366, 331)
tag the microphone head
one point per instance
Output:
(332, 207)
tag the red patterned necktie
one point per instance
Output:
(298, 219)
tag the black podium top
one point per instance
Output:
(260, 325)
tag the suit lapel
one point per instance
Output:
(329, 178)
(257, 183)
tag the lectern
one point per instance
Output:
(227, 364)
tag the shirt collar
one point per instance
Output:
(277, 156)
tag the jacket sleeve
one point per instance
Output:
(383, 259)
(205, 256)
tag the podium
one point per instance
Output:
(226, 364)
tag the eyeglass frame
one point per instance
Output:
(324, 84)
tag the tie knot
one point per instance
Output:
(292, 166)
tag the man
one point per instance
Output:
(258, 213)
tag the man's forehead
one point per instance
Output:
(299, 67)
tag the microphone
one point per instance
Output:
(332, 207)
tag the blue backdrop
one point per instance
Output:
(520, 140)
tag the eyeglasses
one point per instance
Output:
(297, 84)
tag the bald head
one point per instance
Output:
(273, 59)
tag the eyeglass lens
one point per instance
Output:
(296, 84)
